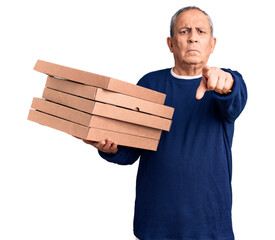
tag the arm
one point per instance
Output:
(110, 151)
(124, 155)
(229, 90)
(231, 105)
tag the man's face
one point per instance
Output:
(192, 43)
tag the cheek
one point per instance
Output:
(207, 47)
(180, 46)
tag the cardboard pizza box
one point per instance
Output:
(100, 81)
(94, 121)
(91, 133)
(110, 97)
(107, 110)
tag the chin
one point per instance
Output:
(192, 60)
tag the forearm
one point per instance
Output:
(232, 104)
(124, 155)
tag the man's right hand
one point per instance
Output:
(106, 146)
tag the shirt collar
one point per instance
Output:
(184, 77)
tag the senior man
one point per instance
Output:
(183, 190)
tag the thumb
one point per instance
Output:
(201, 89)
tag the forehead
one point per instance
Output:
(191, 18)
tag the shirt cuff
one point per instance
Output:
(107, 156)
(235, 88)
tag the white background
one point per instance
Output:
(53, 186)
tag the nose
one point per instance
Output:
(193, 38)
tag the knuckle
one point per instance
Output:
(112, 145)
(219, 88)
(216, 69)
(211, 86)
(107, 146)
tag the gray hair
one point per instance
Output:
(173, 20)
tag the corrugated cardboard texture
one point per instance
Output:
(124, 127)
(92, 134)
(123, 139)
(126, 115)
(94, 121)
(99, 81)
(69, 100)
(107, 110)
(61, 111)
(74, 88)
(110, 97)
(58, 124)
(134, 103)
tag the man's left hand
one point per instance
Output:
(214, 79)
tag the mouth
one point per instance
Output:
(192, 50)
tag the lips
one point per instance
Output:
(192, 50)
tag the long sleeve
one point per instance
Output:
(124, 155)
(231, 105)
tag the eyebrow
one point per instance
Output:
(201, 27)
(204, 29)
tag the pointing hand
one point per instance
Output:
(214, 79)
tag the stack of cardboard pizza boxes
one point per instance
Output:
(95, 107)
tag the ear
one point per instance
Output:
(170, 43)
(213, 44)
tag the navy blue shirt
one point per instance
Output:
(183, 190)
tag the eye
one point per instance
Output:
(184, 31)
(201, 31)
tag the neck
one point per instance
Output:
(187, 70)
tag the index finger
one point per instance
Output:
(205, 71)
